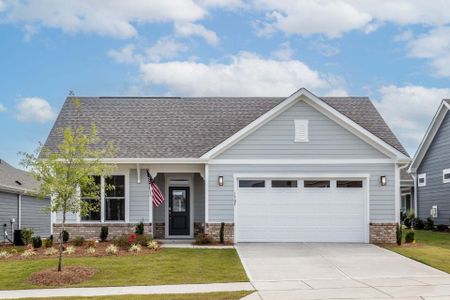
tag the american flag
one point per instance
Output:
(156, 196)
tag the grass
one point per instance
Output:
(169, 266)
(431, 248)
(201, 296)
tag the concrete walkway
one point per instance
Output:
(129, 290)
(338, 271)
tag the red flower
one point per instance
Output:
(133, 236)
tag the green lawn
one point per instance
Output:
(169, 266)
(203, 296)
(432, 248)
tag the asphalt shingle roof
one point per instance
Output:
(150, 127)
(10, 176)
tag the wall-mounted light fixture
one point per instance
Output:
(220, 180)
(383, 181)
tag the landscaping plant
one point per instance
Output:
(104, 233)
(409, 218)
(221, 232)
(67, 169)
(78, 241)
(90, 250)
(5, 254)
(50, 251)
(65, 236)
(429, 224)
(139, 228)
(419, 224)
(69, 250)
(409, 237)
(143, 239)
(442, 227)
(154, 245)
(28, 253)
(399, 234)
(136, 248)
(26, 235)
(37, 242)
(48, 242)
(112, 250)
(202, 239)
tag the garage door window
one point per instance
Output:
(349, 184)
(284, 183)
(316, 184)
(252, 183)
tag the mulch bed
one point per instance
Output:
(69, 275)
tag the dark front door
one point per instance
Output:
(179, 221)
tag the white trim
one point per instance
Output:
(444, 172)
(168, 184)
(422, 176)
(432, 130)
(138, 173)
(19, 222)
(415, 192)
(397, 193)
(301, 177)
(206, 179)
(123, 160)
(300, 161)
(317, 103)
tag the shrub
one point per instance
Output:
(26, 235)
(112, 250)
(122, 241)
(37, 242)
(139, 228)
(92, 243)
(78, 241)
(143, 239)
(419, 224)
(69, 250)
(442, 227)
(154, 245)
(5, 254)
(202, 239)
(28, 253)
(104, 233)
(409, 237)
(90, 250)
(50, 251)
(221, 232)
(429, 224)
(136, 248)
(48, 242)
(409, 218)
(399, 234)
(65, 236)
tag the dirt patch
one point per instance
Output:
(69, 275)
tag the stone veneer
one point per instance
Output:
(160, 230)
(92, 231)
(213, 231)
(383, 233)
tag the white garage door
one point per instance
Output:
(301, 210)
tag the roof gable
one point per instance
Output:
(13, 179)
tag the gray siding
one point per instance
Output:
(275, 139)
(436, 192)
(382, 198)
(8, 209)
(35, 215)
(139, 198)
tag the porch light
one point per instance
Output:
(383, 180)
(220, 180)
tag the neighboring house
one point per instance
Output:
(18, 204)
(295, 169)
(407, 191)
(431, 168)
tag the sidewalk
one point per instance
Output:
(128, 290)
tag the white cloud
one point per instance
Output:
(247, 74)
(435, 45)
(409, 110)
(2, 108)
(284, 52)
(190, 29)
(324, 48)
(165, 48)
(227, 4)
(124, 55)
(117, 18)
(34, 109)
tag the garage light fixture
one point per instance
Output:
(220, 180)
(383, 181)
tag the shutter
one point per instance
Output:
(301, 131)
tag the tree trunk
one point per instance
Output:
(60, 251)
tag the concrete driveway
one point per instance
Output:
(338, 271)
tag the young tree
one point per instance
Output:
(64, 171)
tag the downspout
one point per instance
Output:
(19, 214)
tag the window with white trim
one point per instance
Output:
(92, 200)
(446, 176)
(301, 131)
(422, 179)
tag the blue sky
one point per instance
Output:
(396, 52)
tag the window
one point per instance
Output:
(115, 198)
(301, 131)
(446, 175)
(252, 183)
(92, 200)
(316, 184)
(422, 179)
(349, 184)
(284, 183)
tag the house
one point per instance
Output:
(431, 168)
(406, 190)
(295, 169)
(18, 207)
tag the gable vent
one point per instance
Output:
(301, 131)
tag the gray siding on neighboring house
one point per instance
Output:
(275, 140)
(382, 198)
(139, 198)
(8, 209)
(35, 215)
(436, 159)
